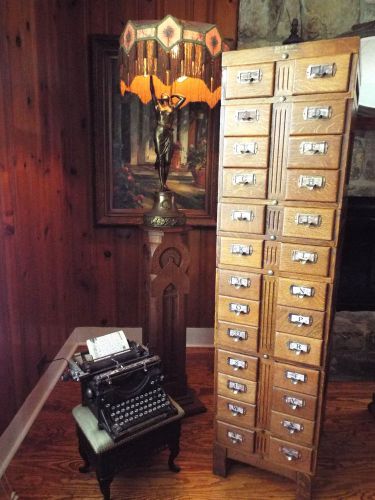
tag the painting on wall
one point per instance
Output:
(126, 178)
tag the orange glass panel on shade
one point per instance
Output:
(182, 56)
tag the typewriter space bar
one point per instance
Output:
(146, 423)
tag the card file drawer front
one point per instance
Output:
(244, 183)
(236, 364)
(233, 412)
(294, 429)
(312, 185)
(298, 349)
(232, 336)
(317, 117)
(245, 152)
(236, 388)
(238, 311)
(240, 252)
(291, 455)
(321, 74)
(240, 218)
(314, 152)
(294, 404)
(309, 222)
(237, 284)
(235, 438)
(305, 259)
(247, 120)
(302, 293)
(249, 80)
(296, 378)
(304, 322)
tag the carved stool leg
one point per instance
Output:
(304, 483)
(82, 451)
(105, 486)
(174, 448)
(220, 467)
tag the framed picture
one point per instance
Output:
(125, 175)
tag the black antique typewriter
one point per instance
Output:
(124, 391)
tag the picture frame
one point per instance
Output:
(125, 176)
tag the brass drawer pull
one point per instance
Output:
(311, 182)
(242, 215)
(302, 291)
(236, 387)
(294, 403)
(298, 348)
(292, 426)
(236, 410)
(248, 148)
(321, 70)
(237, 364)
(238, 249)
(310, 220)
(239, 309)
(313, 148)
(247, 115)
(304, 257)
(250, 76)
(244, 179)
(300, 320)
(295, 377)
(235, 437)
(237, 335)
(317, 113)
(239, 282)
(289, 453)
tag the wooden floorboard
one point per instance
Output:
(46, 465)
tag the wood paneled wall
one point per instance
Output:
(57, 270)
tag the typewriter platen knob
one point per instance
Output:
(89, 393)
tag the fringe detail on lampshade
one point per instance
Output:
(193, 89)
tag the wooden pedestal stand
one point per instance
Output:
(167, 260)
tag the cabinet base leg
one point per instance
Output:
(220, 460)
(304, 483)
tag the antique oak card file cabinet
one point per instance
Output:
(284, 143)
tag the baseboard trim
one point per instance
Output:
(17, 430)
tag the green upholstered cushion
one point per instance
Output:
(100, 440)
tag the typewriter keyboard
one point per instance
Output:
(139, 411)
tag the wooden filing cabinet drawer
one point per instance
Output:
(237, 284)
(309, 222)
(317, 117)
(250, 80)
(250, 119)
(304, 380)
(237, 364)
(235, 437)
(305, 259)
(314, 152)
(241, 218)
(245, 152)
(240, 252)
(233, 412)
(304, 322)
(240, 311)
(294, 403)
(290, 455)
(298, 348)
(302, 293)
(312, 185)
(240, 338)
(294, 429)
(236, 388)
(321, 74)
(244, 183)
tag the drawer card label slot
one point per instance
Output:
(245, 179)
(236, 410)
(243, 215)
(239, 282)
(313, 148)
(308, 220)
(295, 377)
(317, 113)
(298, 348)
(249, 76)
(292, 427)
(289, 453)
(248, 148)
(238, 249)
(311, 182)
(236, 387)
(247, 115)
(237, 335)
(235, 437)
(294, 403)
(304, 257)
(302, 291)
(321, 70)
(238, 309)
(237, 364)
(300, 320)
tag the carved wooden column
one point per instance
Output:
(167, 259)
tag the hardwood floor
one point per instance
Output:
(46, 465)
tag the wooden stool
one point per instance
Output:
(101, 453)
